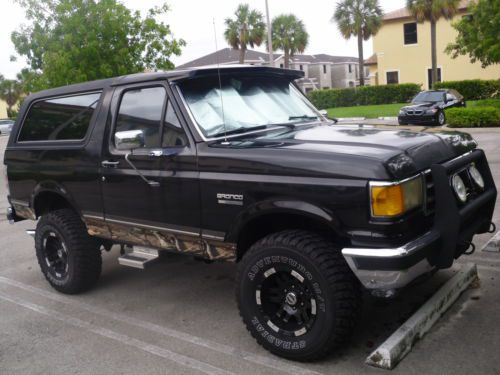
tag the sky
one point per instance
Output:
(193, 21)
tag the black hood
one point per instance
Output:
(401, 153)
(423, 105)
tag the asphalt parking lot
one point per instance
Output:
(180, 317)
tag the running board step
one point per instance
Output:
(139, 257)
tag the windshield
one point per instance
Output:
(249, 103)
(429, 96)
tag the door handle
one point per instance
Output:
(110, 164)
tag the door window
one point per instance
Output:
(141, 109)
(173, 134)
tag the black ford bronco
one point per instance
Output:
(235, 164)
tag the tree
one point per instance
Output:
(289, 35)
(361, 19)
(69, 41)
(248, 28)
(478, 34)
(10, 92)
(432, 11)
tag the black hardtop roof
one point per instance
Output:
(172, 75)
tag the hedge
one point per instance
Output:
(365, 95)
(473, 117)
(475, 89)
(495, 103)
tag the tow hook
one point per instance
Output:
(472, 248)
(493, 228)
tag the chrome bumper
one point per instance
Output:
(386, 281)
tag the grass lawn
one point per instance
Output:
(373, 111)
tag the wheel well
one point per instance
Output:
(48, 201)
(264, 225)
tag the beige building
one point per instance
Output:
(3, 109)
(402, 52)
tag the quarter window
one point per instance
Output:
(59, 119)
(173, 134)
(410, 33)
(141, 109)
(392, 77)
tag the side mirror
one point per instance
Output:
(129, 140)
(323, 113)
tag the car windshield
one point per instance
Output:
(245, 103)
(429, 96)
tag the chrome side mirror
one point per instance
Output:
(129, 140)
(323, 113)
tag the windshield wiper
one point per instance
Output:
(303, 117)
(240, 130)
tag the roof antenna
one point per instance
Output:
(220, 84)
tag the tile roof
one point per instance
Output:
(404, 13)
(230, 55)
(372, 60)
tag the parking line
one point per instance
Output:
(124, 339)
(262, 360)
(493, 244)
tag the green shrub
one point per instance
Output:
(473, 117)
(474, 89)
(486, 103)
(365, 95)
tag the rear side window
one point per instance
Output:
(59, 119)
(141, 109)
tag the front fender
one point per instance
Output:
(282, 206)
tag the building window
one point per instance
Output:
(392, 77)
(324, 69)
(301, 67)
(429, 77)
(410, 30)
(351, 84)
(281, 66)
(350, 68)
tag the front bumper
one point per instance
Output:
(418, 119)
(386, 269)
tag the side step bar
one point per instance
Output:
(139, 257)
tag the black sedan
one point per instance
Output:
(428, 107)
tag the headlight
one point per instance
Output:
(476, 176)
(401, 112)
(459, 187)
(431, 111)
(389, 200)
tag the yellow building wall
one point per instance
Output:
(3, 109)
(412, 61)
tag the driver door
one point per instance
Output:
(159, 209)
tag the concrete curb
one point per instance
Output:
(399, 344)
(388, 118)
(351, 118)
(493, 244)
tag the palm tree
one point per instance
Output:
(248, 28)
(432, 11)
(359, 18)
(289, 35)
(10, 92)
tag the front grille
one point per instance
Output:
(430, 194)
(416, 112)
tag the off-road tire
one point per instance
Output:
(83, 251)
(321, 264)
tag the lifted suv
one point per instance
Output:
(235, 164)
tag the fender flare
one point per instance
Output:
(282, 206)
(53, 188)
